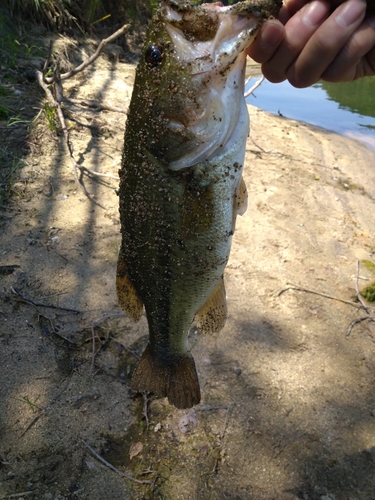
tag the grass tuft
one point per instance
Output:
(8, 174)
(369, 293)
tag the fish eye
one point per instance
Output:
(154, 55)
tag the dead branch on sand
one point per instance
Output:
(360, 305)
(40, 304)
(55, 81)
(290, 286)
(119, 472)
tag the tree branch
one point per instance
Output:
(92, 58)
(56, 102)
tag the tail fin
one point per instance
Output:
(176, 379)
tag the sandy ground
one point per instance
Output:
(288, 403)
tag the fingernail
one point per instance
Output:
(314, 13)
(350, 12)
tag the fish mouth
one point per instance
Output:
(209, 43)
(208, 46)
(209, 38)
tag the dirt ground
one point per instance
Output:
(288, 403)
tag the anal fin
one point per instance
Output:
(128, 298)
(176, 379)
(212, 316)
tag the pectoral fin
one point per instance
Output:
(212, 316)
(241, 198)
(128, 298)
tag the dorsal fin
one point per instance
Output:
(212, 316)
(128, 298)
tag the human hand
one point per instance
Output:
(330, 41)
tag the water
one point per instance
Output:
(345, 108)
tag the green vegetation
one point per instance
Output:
(357, 96)
(5, 111)
(84, 13)
(8, 175)
(50, 113)
(8, 46)
(369, 265)
(369, 293)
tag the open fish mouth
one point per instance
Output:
(209, 43)
(211, 36)
(192, 72)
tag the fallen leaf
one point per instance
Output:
(135, 449)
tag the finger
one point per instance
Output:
(268, 39)
(288, 10)
(292, 6)
(328, 40)
(298, 30)
(357, 58)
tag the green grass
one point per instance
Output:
(369, 265)
(4, 92)
(4, 112)
(8, 173)
(369, 292)
(8, 50)
(85, 13)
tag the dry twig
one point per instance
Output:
(20, 495)
(91, 173)
(35, 419)
(359, 296)
(290, 286)
(356, 321)
(363, 303)
(47, 332)
(39, 304)
(56, 80)
(146, 401)
(254, 87)
(107, 464)
(92, 58)
(95, 322)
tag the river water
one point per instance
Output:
(345, 108)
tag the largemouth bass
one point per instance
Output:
(181, 184)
